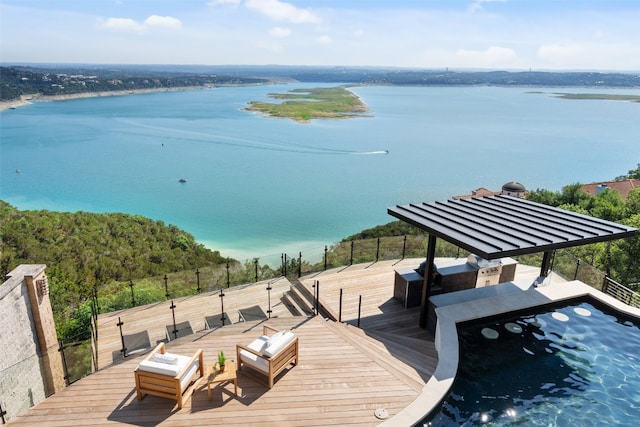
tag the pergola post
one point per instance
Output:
(546, 264)
(428, 280)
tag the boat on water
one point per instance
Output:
(182, 180)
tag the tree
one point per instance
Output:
(633, 202)
(607, 205)
(632, 174)
(625, 254)
(546, 197)
(573, 195)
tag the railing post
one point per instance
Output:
(340, 309)
(299, 265)
(351, 259)
(173, 313)
(378, 250)
(222, 318)
(166, 286)
(95, 310)
(404, 246)
(2, 414)
(575, 274)
(269, 299)
(284, 265)
(198, 280)
(359, 309)
(124, 349)
(133, 298)
(94, 338)
(255, 264)
(64, 362)
(316, 289)
(325, 257)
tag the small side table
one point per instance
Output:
(216, 376)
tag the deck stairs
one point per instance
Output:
(297, 301)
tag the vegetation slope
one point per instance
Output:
(85, 249)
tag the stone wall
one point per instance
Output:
(30, 364)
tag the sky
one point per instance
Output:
(599, 35)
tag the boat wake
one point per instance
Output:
(373, 152)
(280, 145)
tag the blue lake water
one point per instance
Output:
(258, 186)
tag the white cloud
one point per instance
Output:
(214, 3)
(163, 22)
(478, 4)
(132, 26)
(324, 39)
(281, 11)
(280, 32)
(492, 56)
(121, 24)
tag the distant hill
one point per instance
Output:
(18, 81)
(52, 79)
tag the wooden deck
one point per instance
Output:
(344, 374)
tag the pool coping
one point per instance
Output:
(446, 337)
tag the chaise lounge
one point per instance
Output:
(167, 375)
(269, 355)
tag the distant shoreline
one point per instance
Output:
(29, 99)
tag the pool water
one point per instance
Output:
(570, 365)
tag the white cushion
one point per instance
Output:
(186, 379)
(149, 365)
(253, 360)
(278, 344)
(275, 337)
(169, 358)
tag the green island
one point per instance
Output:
(303, 105)
(602, 96)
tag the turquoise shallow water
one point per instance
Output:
(258, 186)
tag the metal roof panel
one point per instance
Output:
(499, 226)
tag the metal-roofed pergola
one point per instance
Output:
(502, 226)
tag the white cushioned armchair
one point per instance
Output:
(167, 375)
(269, 355)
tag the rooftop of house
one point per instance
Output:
(622, 187)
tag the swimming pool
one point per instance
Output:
(561, 365)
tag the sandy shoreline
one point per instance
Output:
(28, 99)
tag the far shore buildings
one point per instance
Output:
(622, 187)
(515, 189)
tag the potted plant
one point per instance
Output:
(221, 360)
